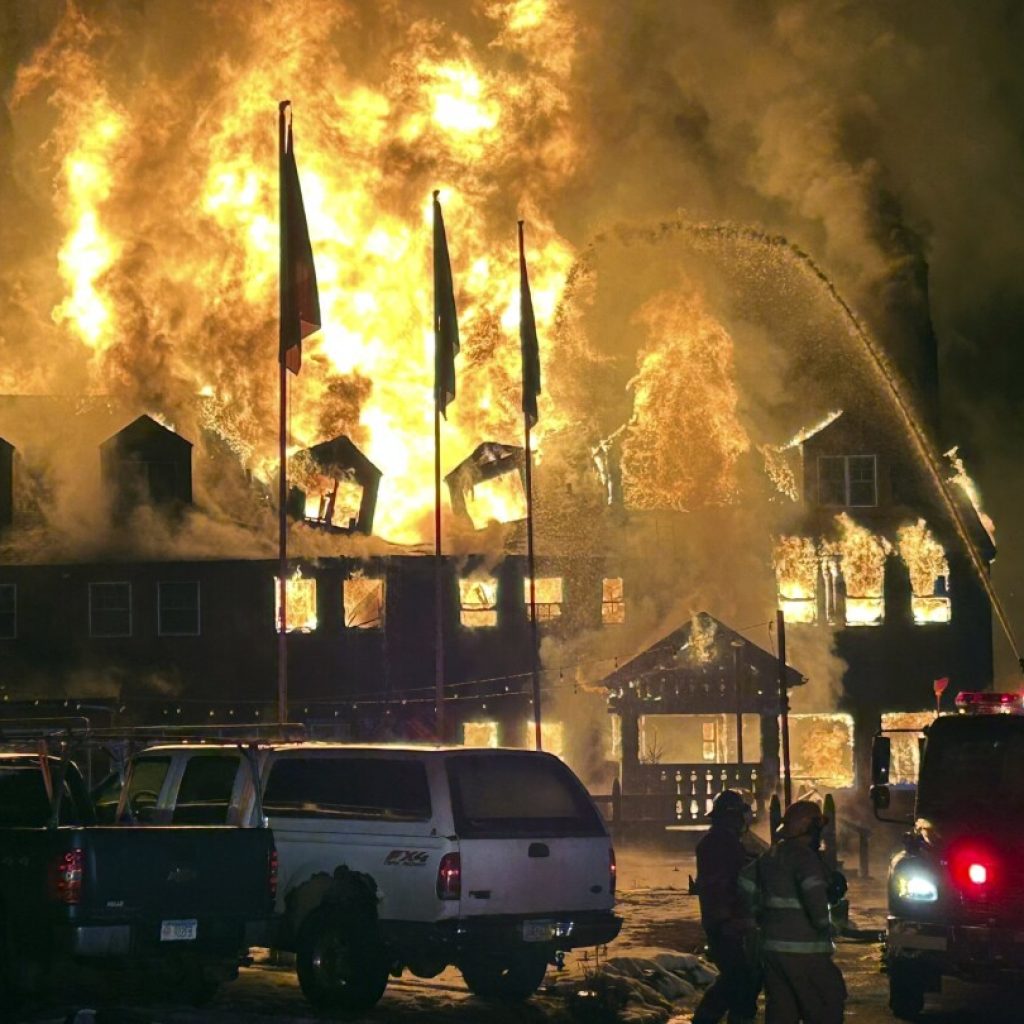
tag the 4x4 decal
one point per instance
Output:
(407, 858)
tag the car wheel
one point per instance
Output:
(906, 992)
(341, 964)
(509, 979)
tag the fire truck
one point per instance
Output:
(956, 889)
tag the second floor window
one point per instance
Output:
(363, 598)
(848, 480)
(177, 608)
(613, 601)
(110, 609)
(8, 611)
(548, 597)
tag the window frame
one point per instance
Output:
(479, 609)
(160, 631)
(131, 622)
(13, 634)
(376, 626)
(620, 603)
(847, 482)
(547, 611)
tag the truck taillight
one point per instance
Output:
(66, 878)
(977, 874)
(611, 870)
(272, 874)
(449, 877)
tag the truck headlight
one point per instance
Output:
(916, 887)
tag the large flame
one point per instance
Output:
(166, 188)
(796, 567)
(929, 572)
(861, 555)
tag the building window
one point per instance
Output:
(478, 602)
(613, 601)
(177, 608)
(548, 597)
(363, 599)
(929, 574)
(480, 734)
(110, 609)
(849, 480)
(300, 596)
(552, 736)
(796, 569)
(8, 611)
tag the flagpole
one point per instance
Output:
(531, 567)
(439, 715)
(282, 497)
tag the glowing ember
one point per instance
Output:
(929, 573)
(685, 379)
(301, 603)
(862, 558)
(796, 567)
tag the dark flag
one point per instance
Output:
(446, 324)
(300, 300)
(528, 340)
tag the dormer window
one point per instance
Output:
(848, 480)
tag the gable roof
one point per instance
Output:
(673, 655)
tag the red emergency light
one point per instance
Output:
(982, 702)
(974, 870)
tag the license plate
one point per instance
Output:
(538, 931)
(178, 931)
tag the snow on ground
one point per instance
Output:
(650, 975)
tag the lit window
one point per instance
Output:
(861, 557)
(796, 569)
(364, 603)
(334, 500)
(8, 611)
(552, 736)
(864, 611)
(848, 480)
(709, 741)
(613, 601)
(905, 747)
(500, 499)
(177, 611)
(478, 602)
(548, 597)
(821, 748)
(110, 609)
(929, 573)
(301, 604)
(480, 734)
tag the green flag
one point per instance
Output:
(300, 300)
(446, 324)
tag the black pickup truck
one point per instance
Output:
(189, 900)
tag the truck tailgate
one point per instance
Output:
(214, 876)
(523, 876)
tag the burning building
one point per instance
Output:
(683, 362)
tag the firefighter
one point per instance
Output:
(788, 889)
(727, 922)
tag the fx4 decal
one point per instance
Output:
(407, 858)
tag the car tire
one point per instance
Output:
(906, 992)
(510, 979)
(341, 963)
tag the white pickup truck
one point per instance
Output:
(415, 858)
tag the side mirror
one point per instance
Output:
(881, 758)
(880, 797)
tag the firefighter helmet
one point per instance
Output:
(729, 802)
(801, 817)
